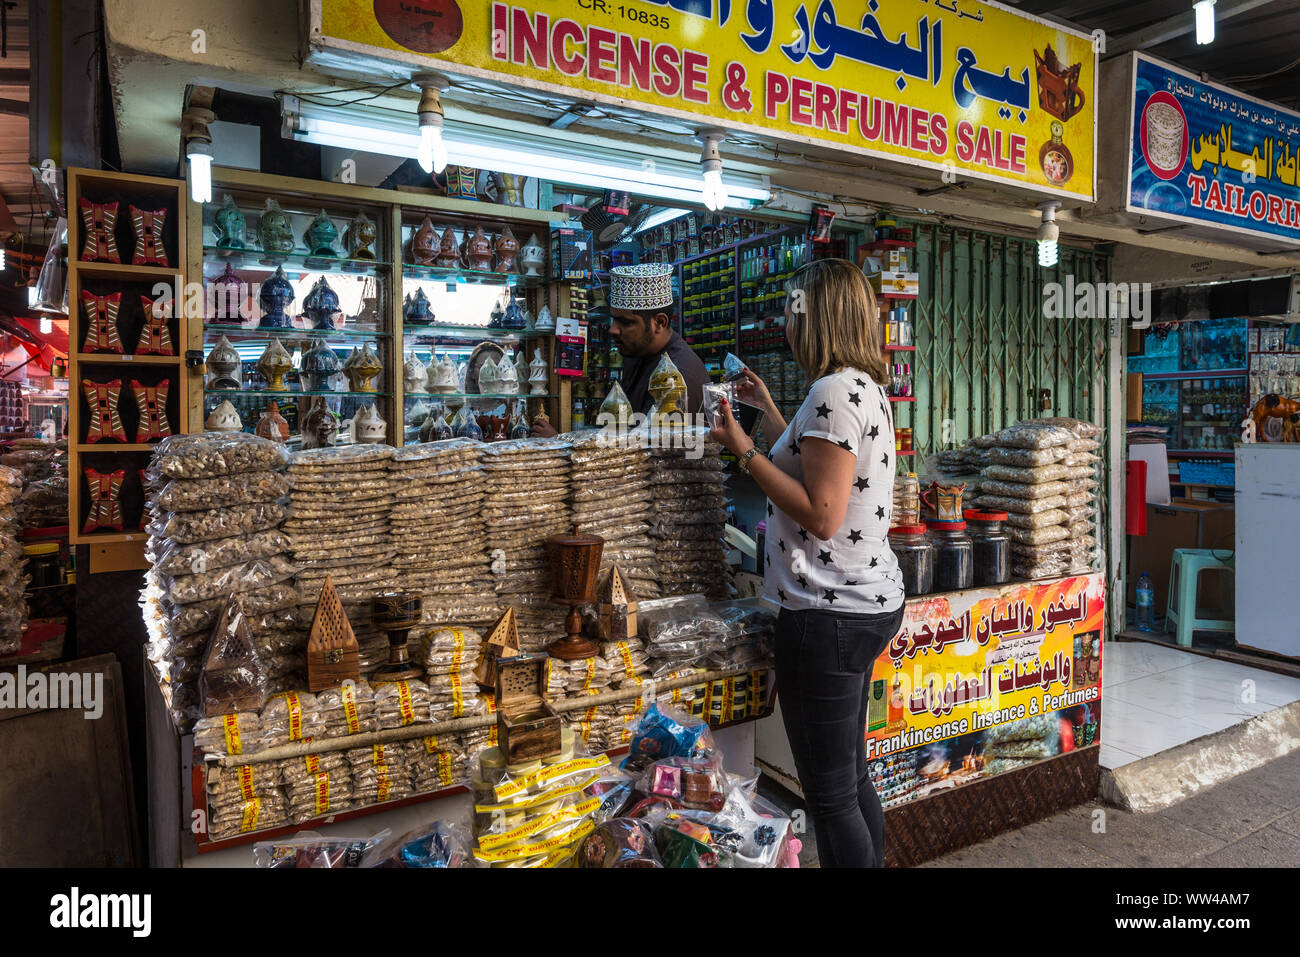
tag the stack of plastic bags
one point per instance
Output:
(450, 656)
(1043, 475)
(680, 632)
(13, 583)
(215, 511)
(244, 798)
(379, 773)
(317, 785)
(444, 760)
(612, 498)
(690, 511)
(437, 529)
(527, 501)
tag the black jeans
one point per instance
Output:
(823, 672)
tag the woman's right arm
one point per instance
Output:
(752, 391)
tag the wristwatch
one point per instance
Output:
(743, 461)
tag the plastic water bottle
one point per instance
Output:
(1146, 601)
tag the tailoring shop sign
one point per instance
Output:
(1203, 153)
(965, 664)
(974, 89)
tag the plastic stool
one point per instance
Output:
(1184, 578)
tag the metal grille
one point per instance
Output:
(987, 356)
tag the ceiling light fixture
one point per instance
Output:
(1204, 21)
(432, 152)
(715, 191)
(198, 151)
(1048, 234)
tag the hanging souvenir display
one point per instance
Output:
(414, 375)
(319, 364)
(320, 235)
(369, 426)
(320, 428)
(274, 230)
(101, 322)
(224, 418)
(155, 335)
(320, 305)
(423, 251)
(105, 501)
(275, 295)
(478, 250)
(448, 250)
(148, 227)
(226, 294)
(99, 223)
(359, 237)
(104, 421)
(361, 368)
(462, 182)
(538, 381)
(416, 309)
(274, 364)
(231, 224)
(532, 257)
(272, 424)
(506, 249)
(225, 367)
(151, 401)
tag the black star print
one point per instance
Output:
(884, 410)
(859, 383)
(862, 484)
(880, 511)
(855, 535)
(850, 581)
(873, 563)
(803, 534)
(794, 447)
(830, 595)
(781, 593)
(769, 509)
(803, 582)
(824, 556)
(781, 545)
(880, 599)
(855, 398)
(884, 460)
(874, 433)
(845, 445)
(823, 410)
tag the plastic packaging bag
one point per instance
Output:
(664, 733)
(439, 844)
(1033, 435)
(196, 495)
(309, 849)
(232, 678)
(212, 454)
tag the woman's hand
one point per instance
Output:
(751, 390)
(728, 431)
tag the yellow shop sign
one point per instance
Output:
(963, 87)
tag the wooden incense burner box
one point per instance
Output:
(528, 728)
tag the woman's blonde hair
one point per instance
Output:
(837, 321)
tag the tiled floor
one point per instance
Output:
(1154, 698)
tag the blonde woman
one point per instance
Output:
(829, 484)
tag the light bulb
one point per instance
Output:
(714, 191)
(199, 154)
(1204, 21)
(47, 325)
(31, 296)
(1047, 252)
(2, 257)
(433, 148)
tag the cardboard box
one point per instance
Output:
(571, 253)
(895, 283)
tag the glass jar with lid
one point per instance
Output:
(915, 555)
(954, 558)
(907, 499)
(991, 546)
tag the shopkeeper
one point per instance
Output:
(641, 304)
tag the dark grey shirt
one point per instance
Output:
(637, 371)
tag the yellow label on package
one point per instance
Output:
(234, 743)
(626, 654)
(545, 775)
(246, 781)
(350, 707)
(430, 744)
(295, 715)
(545, 797)
(252, 811)
(591, 674)
(312, 761)
(563, 839)
(444, 768)
(456, 696)
(404, 703)
(322, 793)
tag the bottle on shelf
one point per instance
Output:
(1145, 604)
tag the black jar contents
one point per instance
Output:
(992, 547)
(953, 556)
(915, 555)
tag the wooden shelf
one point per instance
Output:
(93, 447)
(102, 270)
(111, 358)
(91, 538)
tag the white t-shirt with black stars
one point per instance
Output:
(855, 571)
